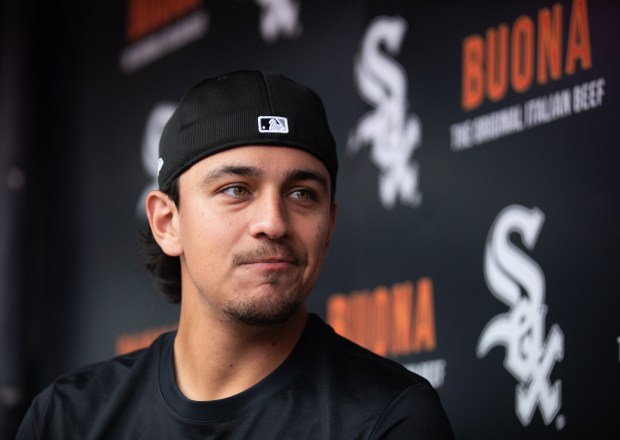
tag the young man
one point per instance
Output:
(240, 227)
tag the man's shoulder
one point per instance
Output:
(372, 389)
(97, 381)
(108, 371)
(112, 369)
(61, 409)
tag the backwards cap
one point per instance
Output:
(244, 108)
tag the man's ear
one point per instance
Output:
(162, 214)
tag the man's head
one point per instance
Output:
(248, 168)
(245, 108)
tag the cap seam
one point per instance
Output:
(267, 92)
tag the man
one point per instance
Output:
(239, 230)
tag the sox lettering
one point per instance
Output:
(509, 272)
(392, 134)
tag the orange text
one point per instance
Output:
(392, 321)
(511, 57)
(146, 16)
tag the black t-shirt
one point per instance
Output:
(328, 388)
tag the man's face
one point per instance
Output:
(254, 224)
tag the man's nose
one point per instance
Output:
(269, 217)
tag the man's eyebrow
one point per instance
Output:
(255, 172)
(232, 170)
(303, 174)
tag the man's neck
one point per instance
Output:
(214, 359)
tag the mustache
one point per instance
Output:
(264, 252)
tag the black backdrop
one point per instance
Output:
(477, 243)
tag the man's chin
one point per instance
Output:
(262, 315)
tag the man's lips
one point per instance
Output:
(271, 263)
(270, 257)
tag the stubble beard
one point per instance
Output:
(277, 307)
(264, 312)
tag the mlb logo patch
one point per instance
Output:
(272, 124)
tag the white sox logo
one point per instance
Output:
(159, 116)
(279, 18)
(518, 281)
(392, 134)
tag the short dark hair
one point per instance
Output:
(166, 270)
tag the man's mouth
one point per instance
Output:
(266, 257)
(270, 264)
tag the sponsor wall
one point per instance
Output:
(478, 235)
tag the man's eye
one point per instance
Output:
(303, 194)
(235, 191)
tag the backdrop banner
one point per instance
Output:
(478, 231)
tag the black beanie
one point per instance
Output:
(244, 108)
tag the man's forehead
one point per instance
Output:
(263, 153)
(259, 160)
